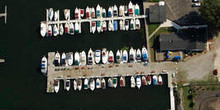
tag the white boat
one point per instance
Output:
(137, 24)
(104, 26)
(121, 23)
(77, 27)
(93, 12)
(138, 81)
(98, 11)
(61, 30)
(118, 56)
(130, 9)
(88, 13)
(43, 29)
(138, 55)
(132, 25)
(103, 13)
(110, 57)
(67, 28)
(126, 10)
(77, 13)
(90, 57)
(71, 31)
(103, 83)
(155, 80)
(144, 54)
(121, 10)
(70, 59)
(49, 30)
(133, 84)
(67, 86)
(74, 84)
(126, 25)
(97, 56)
(98, 83)
(56, 85)
(82, 58)
(115, 82)
(110, 12)
(99, 28)
(63, 59)
(67, 14)
(143, 80)
(76, 58)
(125, 56)
(44, 65)
(55, 30)
(93, 27)
(86, 83)
(56, 15)
(160, 80)
(57, 59)
(79, 84)
(110, 83)
(132, 55)
(104, 56)
(50, 14)
(148, 80)
(110, 26)
(92, 84)
(137, 10)
(82, 13)
(115, 11)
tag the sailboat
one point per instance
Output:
(44, 65)
(104, 56)
(76, 58)
(43, 29)
(110, 26)
(121, 23)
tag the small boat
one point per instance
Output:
(110, 10)
(67, 86)
(111, 57)
(97, 56)
(61, 29)
(144, 54)
(122, 82)
(76, 13)
(63, 59)
(76, 27)
(118, 56)
(50, 14)
(155, 80)
(76, 58)
(82, 13)
(115, 25)
(98, 83)
(99, 26)
(137, 10)
(121, 10)
(104, 56)
(56, 85)
(110, 26)
(121, 23)
(125, 56)
(49, 30)
(126, 25)
(132, 24)
(56, 14)
(115, 11)
(71, 31)
(137, 24)
(57, 59)
(82, 58)
(103, 83)
(133, 84)
(70, 58)
(67, 28)
(126, 10)
(92, 12)
(44, 65)
(138, 55)
(92, 84)
(86, 83)
(55, 30)
(79, 84)
(90, 57)
(103, 13)
(115, 82)
(98, 11)
(93, 26)
(144, 81)
(138, 81)
(130, 9)
(88, 14)
(110, 83)
(104, 26)
(160, 80)
(132, 55)
(67, 14)
(43, 29)
(149, 80)
(74, 85)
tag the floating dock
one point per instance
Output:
(4, 14)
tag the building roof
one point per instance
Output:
(157, 13)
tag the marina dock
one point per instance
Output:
(4, 14)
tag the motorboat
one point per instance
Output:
(111, 57)
(144, 54)
(110, 83)
(77, 27)
(118, 56)
(82, 58)
(76, 58)
(50, 14)
(132, 25)
(92, 84)
(56, 15)
(70, 58)
(67, 86)
(67, 14)
(92, 12)
(110, 11)
(104, 26)
(86, 83)
(56, 85)
(138, 55)
(121, 23)
(103, 13)
(49, 30)
(88, 13)
(132, 55)
(138, 81)
(115, 82)
(79, 84)
(130, 9)
(99, 26)
(148, 80)
(137, 24)
(74, 84)
(67, 28)
(43, 29)
(55, 30)
(110, 26)
(126, 10)
(160, 80)
(133, 84)
(103, 83)
(63, 59)
(125, 56)
(93, 26)
(104, 56)
(122, 82)
(155, 80)
(97, 56)
(82, 13)
(61, 30)
(144, 81)
(121, 10)
(137, 10)
(115, 25)
(57, 59)
(44, 65)
(90, 57)
(98, 83)
(71, 31)
(76, 13)
(98, 11)
(126, 25)
(115, 11)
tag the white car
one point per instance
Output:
(196, 0)
(196, 5)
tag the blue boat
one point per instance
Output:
(115, 25)
(155, 80)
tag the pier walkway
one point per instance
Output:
(4, 14)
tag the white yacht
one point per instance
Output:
(118, 56)
(71, 31)
(79, 84)
(138, 55)
(122, 25)
(74, 84)
(44, 65)
(76, 58)
(86, 83)
(67, 86)
(92, 84)
(43, 29)
(57, 59)
(115, 11)
(93, 27)
(137, 24)
(138, 81)
(104, 56)
(144, 54)
(63, 59)
(125, 56)
(160, 80)
(132, 54)
(110, 26)
(56, 85)
(56, 15)
(110, 57)
(70, 58)
(133, 84)
(132, 25)
(98, 83)
(90, 57)
(83, 58)
(98, 11)
(126, 10)
(55, 30)
(110, 83)
(61, 30)
(97, 56)
(104, 26)
(67, 14)
(50, 14)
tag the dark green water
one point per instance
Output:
(23, 86)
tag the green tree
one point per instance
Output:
(210, 11)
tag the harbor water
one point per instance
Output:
(22, 47)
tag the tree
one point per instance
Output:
(210, 12)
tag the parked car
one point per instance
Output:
(196, 5)
(196, 1)
(215, 72)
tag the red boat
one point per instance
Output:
(122, 82)
(110, 59)
(149, 80)
(82, 12)
(144, 81)
(76, 13)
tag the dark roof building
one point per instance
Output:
(157, 13)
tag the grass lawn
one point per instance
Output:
(152, 27)
(186, 100)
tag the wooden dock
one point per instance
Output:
(4, 14)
